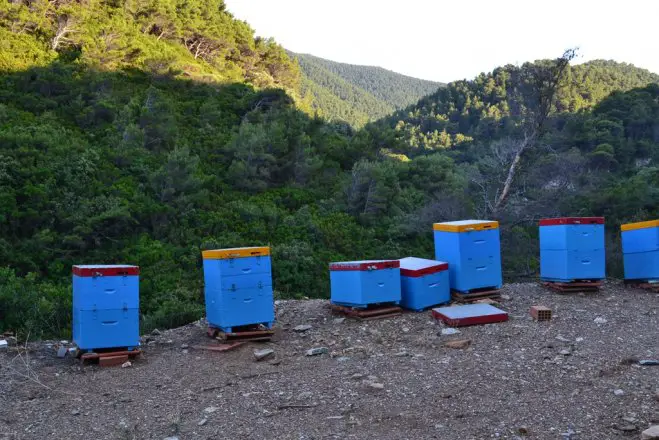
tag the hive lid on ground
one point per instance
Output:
(466, 225)
(417, 267)
(243, 252)
(365, 265)
(469, 314)
(640, 225)
(104, 270)
(572, 221)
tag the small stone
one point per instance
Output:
(75, 412)
(600, 320)
(652, 433)
(156, 332)
(126, 364)
(629, 419)
(210, 409)
(302, 328)
(202, 422)
(565, 352)
(342, 359)
(505, 297)
(628, 428)
(376, 385)
(523, 430)
(62, 351)
(304, 395)
(317, 351)
(406, 329)
(401, 354)
(372, 378)
(579, 339)
(357, 376)
(618, 392)
(449, 331)
(458, 344)
(338, 320)
(259, 355)
(63, 342)
(562, 338)
(184, 346)
(171, 438)
(184, 351)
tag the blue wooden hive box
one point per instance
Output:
(572, 249)
(238, 287)
(640, 248)
(473, 251)
(106, 303)
(424, 283)
(363, 283)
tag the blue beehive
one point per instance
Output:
(238, 287)
(106, 303)
(572, 248)
(473, 252)
(361, 283)
(640, 248)
(424, 283)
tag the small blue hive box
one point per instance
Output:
(424, 283)
(473, 251)
(361, 283)
(106, 303)
(238, 287)
(572, 249)
(640, 248)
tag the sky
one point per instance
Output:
(449, 40)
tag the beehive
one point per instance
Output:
(106, 304)
(424, 283)
(362, 283)
(640, 248)
(473, 251)
(572, 248)
(238, 287)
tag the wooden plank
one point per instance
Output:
(112, 361)
(219, 347)
(369, 313)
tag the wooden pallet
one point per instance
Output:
(109, 357)
(369, 313)
(574, 286)
(257, 332)
(475, 295)
(644, 285)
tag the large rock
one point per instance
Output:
(651, 433)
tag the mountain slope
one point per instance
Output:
(479, 109)
(365, 92)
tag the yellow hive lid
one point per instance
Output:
(466, 226)
(640, 225)
(225, 254)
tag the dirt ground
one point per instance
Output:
(575, 377)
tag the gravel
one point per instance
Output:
(514, 380)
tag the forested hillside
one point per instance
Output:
(358, 94)
(143, 132)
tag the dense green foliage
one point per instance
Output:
(117, 145)
(358, 94)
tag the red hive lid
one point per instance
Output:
(418, 267)
(572, 221)
(99, 270)
(365, 265)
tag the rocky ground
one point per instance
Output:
(575, 377)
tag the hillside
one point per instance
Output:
(364, 93)
(144, 132)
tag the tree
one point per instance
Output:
(534, 93)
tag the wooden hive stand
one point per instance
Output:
(574, 286)
(650, 286)
(256, 332)
(474, 295)
(110, 357)
(369, 313)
